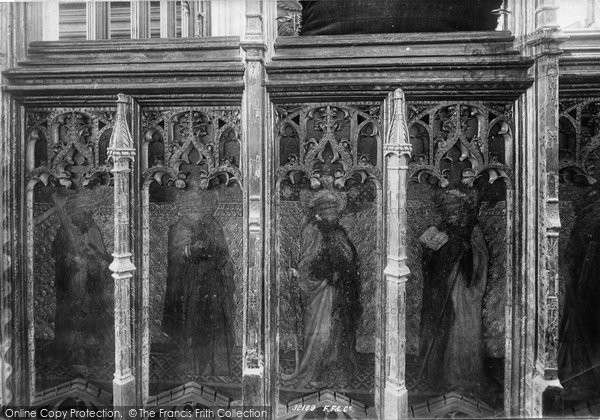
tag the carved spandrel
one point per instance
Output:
(476, 136)
(206, 137)
(69, 146)
(327, 139)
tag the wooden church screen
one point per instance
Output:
(328, 252)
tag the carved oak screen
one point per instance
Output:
(328, 254)
(69, 239)
(579, 251)
(459, 194)
(192, 254)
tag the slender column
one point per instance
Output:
(98, 20)
(253, 386)
(7, 25)
(15, 357)
(140, 19)
(255, 119)
(203, 19)
(122, 152)
(397, 152)
(188, 13)
(547, 69)
(168, 19)
(535, 302)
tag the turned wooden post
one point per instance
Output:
(256, 126)
(122, 153)
(397, 149)
(532, 361)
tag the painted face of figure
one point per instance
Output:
(328, 212)
(82, 220)
(460, 215)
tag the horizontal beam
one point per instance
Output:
(463, 64)
(579, 64)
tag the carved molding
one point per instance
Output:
(327, 403)
(452, 405)
(190, 394)
(78, 390)
(469, 65)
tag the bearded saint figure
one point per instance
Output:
(84, 327)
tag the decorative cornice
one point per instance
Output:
(546, 34)
(205, 65)
(400, 149)
(428, 66)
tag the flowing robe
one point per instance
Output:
(328, 275)
(455, 279)
(84, 333)
(579, 344)
(199, 308)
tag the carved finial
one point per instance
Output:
(121, 142)
(398, 139)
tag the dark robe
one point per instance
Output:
(579, 342)
(454, 283)
(199, 308)
(84, 327)
(328, 275)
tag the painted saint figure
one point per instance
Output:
(328, 275)
(84, 333)
(199, 307)
(579, 343)
(455, 269)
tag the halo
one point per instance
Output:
(74, 202)
(310, 199)
(197, 199)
